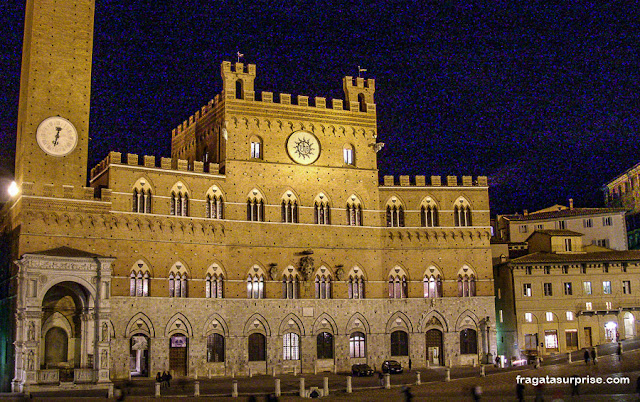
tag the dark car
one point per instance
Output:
(391, 367)
(359, 370)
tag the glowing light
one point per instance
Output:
(13, 189)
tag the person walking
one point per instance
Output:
(619, 351)
(520, 392)
(575, 385)
(409, 364)
(593, 356)
(586, 357)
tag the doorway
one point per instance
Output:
(611, 331)
(629, 324)
(139, 356)
(434, 347)
(178, 348)
(587, 337)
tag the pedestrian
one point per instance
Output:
(476, 392)
(159, 377)
(619, 351)
(163, 380)
(593, 356)
(169, 377)
(408, 396)
(586, 357)
(575, 385)
(409, 364)
(520, 392)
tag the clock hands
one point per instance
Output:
(55, 141)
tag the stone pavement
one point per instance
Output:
(499, 384)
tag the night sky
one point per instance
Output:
(540, 97)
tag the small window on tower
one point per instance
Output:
(348, 153)
(256, 148)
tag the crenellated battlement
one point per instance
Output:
(66, 192)
(435, 181)
(149, 161)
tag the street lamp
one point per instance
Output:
(13, 189)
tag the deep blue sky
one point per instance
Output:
(542, 98)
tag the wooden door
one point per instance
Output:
(587, 337)
(178, 355)
(435, 353)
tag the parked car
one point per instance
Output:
(359, 370)
(391, 367)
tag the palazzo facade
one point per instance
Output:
(266, 243)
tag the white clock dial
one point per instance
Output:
(57, 136)
(303, 147)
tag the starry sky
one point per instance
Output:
(540, 96)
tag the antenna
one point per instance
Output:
(360, 71)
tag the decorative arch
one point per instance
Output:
(257, 324)
(467, 319)
(357, 271)
(395, 211)
(86, 286)
(291, 323)
(178, 323)
(462, 212)
(399, 322)
(290, 205)
(325, 323)
(57, 320)
(357, 322)
(216, 268)
(140, 323)
(433, 320)
(179, 195)
(255, 205)
(143, 183)
(214, 200)
(354, 210)
(429, 212)
(215, 324)
(398, 283)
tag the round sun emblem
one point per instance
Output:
(303, 147)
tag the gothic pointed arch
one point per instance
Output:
(467, 319)
(256, 324)
(178, 324)
(433, 319)
(140, 323)
(291, 323)
(399, 321)
(357, 323)
(325, 323)
(215, 324)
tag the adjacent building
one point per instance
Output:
(559, 298)
(266, 243)
(624, 192)
(603, 227)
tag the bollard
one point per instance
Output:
(274, 371)
(209, 373)
(325, 386)
(158, 389)
(387, 381)
(349, 390)
(295, 371)
(129, 371)
(233, 373)
(537, 364)
(315, 369)
(474, 363)
(482, 373)
(196, 388)
(569, 356)
(335, 369)
(278, 392)
(418, 382)
(234, 390)
(109, 392)
(302, 387)
(447, 374)
(250, 372)
(195, 374)
(428, 363)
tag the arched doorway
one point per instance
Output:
(611, 331)
(629, 325)
(56, 347)
(139, 356)
(178, 352)
(435, 354)
(64, 321)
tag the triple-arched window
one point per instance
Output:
(395, 213)
(255, 284)
(466, 282)
(139, 280)
(356, 284)
(289, 208)
(323, 286)
(462, 213)
(178, 284)
(215, 203)
(398, 287)
(214, 286)
(432, 283)
(321, 210)
(429, 213)
(290, 285)
(255, 206)
(179, 200)
(354, 211)
(141, 202)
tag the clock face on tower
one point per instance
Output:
(57, 136)
(303, 147)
